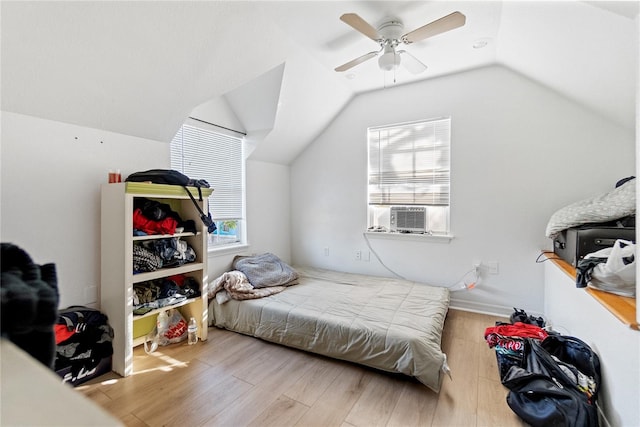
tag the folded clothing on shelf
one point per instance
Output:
(165, 292)
(152, 255)
(152, 217)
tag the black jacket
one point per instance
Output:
(29, 294)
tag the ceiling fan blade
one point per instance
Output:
(411, 63)
(360, 25)
(446, 23)
(354, 62)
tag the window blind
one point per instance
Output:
(409, 164)
(217, 158)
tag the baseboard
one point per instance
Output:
(491, 309)
(482, 308)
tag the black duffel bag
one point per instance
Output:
(559, 384)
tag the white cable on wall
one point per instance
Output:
(464, 283)
(378, 258)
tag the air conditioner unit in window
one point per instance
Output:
(408, 219)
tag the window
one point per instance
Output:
(218, 158)
(409, 167)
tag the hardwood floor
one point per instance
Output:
(235, 380)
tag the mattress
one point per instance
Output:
(389, 324)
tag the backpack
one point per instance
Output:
(173, 177)
(167, 177)
(558, 385)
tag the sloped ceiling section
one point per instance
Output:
(256, 102)
(250, 109)
(137, 68)
(583, 50)
(310, 98)
(140, 68)
(218, 112)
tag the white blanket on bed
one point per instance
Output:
(235, 285)
(389, 324)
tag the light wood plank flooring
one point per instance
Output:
(235, 380)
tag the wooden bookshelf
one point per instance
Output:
(624, 308)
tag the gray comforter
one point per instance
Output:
(389, 324)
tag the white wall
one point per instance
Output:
(267, 189)
(51, 177)
(268, 214)
(519, 152)
(617, 345)
(50, 197)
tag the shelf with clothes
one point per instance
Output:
(120, 273)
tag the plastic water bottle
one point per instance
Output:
(193, 331)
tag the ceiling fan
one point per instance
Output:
(389, 37)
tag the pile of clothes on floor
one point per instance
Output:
(552, 379)
(84, 344)
(75, 342)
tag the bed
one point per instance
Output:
(389, 324)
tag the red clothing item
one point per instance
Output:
(518, 329)
(63, 333)
(142, 223)
(178, 279)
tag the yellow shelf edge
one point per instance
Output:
(147, 188)
(623, 308)
(166, 272)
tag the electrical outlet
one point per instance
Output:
(326, 251)
(358, 255)
(492, 267)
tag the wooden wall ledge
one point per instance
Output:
(624, 308)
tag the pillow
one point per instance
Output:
(265, 270)
(609, 206)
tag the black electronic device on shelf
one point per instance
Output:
(573, 244)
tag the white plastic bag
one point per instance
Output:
(618, 274)
(170, 328)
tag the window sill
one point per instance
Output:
(409, 236)
(215, 251)
(624, 308)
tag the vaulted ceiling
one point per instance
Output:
(142, 68)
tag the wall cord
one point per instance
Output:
(378, 258)
(460, 285)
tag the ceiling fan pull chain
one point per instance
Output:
(397, 60)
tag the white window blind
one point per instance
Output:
(217, 158)
(409, 163)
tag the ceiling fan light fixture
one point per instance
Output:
(389, 36)
(389, 60)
